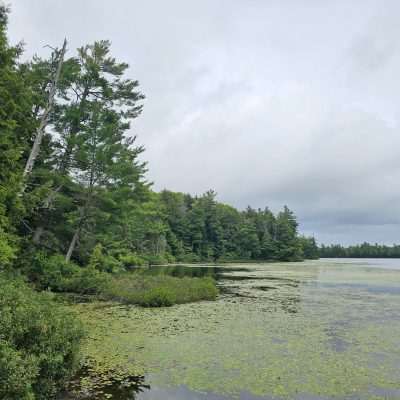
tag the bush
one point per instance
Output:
(156, 260)
(157, 297)
(190, 258)
(87, 280)
(104, 262)
(39, 343)
(51, 272)
(132, 260)
(170, 258)
(7, 250)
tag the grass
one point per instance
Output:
(133, 287)
(160, 290)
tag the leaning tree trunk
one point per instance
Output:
(72, 245)
(75, 238)
(43, 121)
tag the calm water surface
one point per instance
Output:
(326, 329)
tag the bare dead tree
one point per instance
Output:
(43, 120)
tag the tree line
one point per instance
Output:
(200, 228)
(364, 250)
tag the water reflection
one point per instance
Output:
(112, 384)
(182, 392)
(192, 271)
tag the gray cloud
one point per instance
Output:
(267, 102)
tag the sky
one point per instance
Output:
(266, 102)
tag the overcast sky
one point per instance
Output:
(267, 102)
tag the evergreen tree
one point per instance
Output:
(96, 149)
(288, 245)
(17, 125)
(91, 157)
(309, 247)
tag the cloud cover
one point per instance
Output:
(266, 102)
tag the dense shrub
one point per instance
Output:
(51, 272)
(132, 260)
(39, 342)
(104, 262)
(88, 280)
(58, 275)
(156, 260)
(7, 251)
(170, 258)
(190, 258)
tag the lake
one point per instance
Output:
(324, 329)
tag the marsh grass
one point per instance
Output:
(160, 290)
(143, 286)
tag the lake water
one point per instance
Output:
(326, 329)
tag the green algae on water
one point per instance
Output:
(322, 330)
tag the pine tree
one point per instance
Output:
(94, 151)
(105, 164)
(16, 122)
(289, 248)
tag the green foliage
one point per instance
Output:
(131, 260)
(58, 275)
(157, 297)
(364, 250)
(87, 281)
(51, 272)
(39, 343)
(103, 262)
(17, 126)
(7, 250)
(202, 229)
(156, 259)
(289, 247)
(309, 247)
(160, 290)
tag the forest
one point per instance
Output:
(72, 176)
(77, 212)
(364, 250)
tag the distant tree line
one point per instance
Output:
(200, 228)
(364, 250)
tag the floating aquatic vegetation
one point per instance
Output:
(96, 382)
(297, 331)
